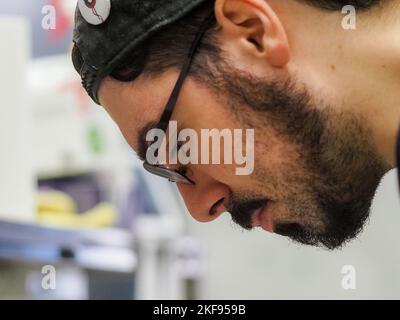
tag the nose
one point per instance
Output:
(205, 200)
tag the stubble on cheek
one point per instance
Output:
(282, 175)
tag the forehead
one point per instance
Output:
(132, 105)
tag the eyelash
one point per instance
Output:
(181, 169)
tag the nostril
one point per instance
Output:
(214, 209)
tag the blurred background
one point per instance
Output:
(80, 219)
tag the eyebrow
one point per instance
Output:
(142, 141)
(143, 144)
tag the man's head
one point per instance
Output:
(262, 65)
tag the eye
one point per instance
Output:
(179, 145)
(182, 170)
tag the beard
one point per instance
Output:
(328, 183)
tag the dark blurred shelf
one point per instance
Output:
(98, 249)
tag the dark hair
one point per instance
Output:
(168, 48)
(339, 4)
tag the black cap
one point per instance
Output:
(108, 31)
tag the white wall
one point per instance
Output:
(257, 265)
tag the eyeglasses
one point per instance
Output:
(160, 170)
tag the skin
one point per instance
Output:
(355, 71)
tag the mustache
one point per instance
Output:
(241, 210)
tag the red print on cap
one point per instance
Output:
(95, 11)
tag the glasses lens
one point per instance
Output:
(171, 175)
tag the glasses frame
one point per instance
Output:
(160, 170)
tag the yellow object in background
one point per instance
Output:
(56, 202)
(59, 209)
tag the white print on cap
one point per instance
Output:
(95, 11)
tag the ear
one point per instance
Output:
(254, 28)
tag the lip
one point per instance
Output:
(262, 218)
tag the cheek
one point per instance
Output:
(278, 165)
(274, 158)
(200, 108)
